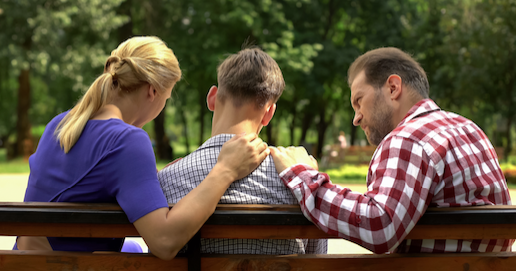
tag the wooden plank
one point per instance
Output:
(263, 232)
(122, 230)
(489, 231)
(473, 208)
(507, 231)
(229, 222)
(68, 230)
(78, 261)
(112, 206)
(235, 214)
(54, 260)
(63, 205)
(408, 262)
(257, 207)
(241, 215)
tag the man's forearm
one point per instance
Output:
(341, 212)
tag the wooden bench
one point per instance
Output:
(246, 221)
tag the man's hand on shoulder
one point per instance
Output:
(287, 157)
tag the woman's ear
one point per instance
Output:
(211, 98)
(151, 92)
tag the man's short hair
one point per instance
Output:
(250, 75)
(380, 63)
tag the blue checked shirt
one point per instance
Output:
(262, 186)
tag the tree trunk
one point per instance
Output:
(185, 129)
(153, 20)
(322, 127)
(293, 123)
(126, 30)
(305, 125)
(4, 93)
(24, 143)
(163, 149)
(510, 107)
(268, 131)
(202, 112)
(508, 147)
(353, 135)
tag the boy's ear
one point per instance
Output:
(268, 114)
(211, 98)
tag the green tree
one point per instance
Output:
(201, 34)
(480, 45)
(52, 42)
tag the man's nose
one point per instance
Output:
(357, 119)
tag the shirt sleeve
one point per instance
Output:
(400, 178)
(136, 187)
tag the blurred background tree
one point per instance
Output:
(53, 49)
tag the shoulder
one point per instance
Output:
(52, 124)
(193, 167)
(426, 127)
(114, 138)
(266, 167)
(435, 133)
(193, 160)
(435, 128)
(117, 130)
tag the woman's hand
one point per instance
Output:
(242, 154)
(167, 231)
(287, 157)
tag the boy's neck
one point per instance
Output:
(228, 119)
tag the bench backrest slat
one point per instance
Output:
(242, 221)
(246, 221)
(487, 231)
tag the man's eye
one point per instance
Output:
(357, 102)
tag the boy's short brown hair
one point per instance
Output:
(250, 75)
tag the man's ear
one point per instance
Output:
(211, 98)
(394, 83)
(268, 114)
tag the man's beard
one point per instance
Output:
(380, 123)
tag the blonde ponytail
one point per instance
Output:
(70, 128)
(137, 61)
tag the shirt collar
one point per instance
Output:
(216, 141)
(424, 106)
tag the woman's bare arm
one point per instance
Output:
(167, 231)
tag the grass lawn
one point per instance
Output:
(346, 174)
(20, 165)
(14, 166)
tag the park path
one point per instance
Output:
(12, 188)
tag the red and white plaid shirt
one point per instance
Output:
(433, 158)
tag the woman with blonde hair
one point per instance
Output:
(97, 152)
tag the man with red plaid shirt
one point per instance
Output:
(425, 157)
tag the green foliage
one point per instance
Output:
(348, 174)
(63, 43)
(466, 47)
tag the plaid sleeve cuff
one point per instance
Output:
(288, 176)
(287, 173)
